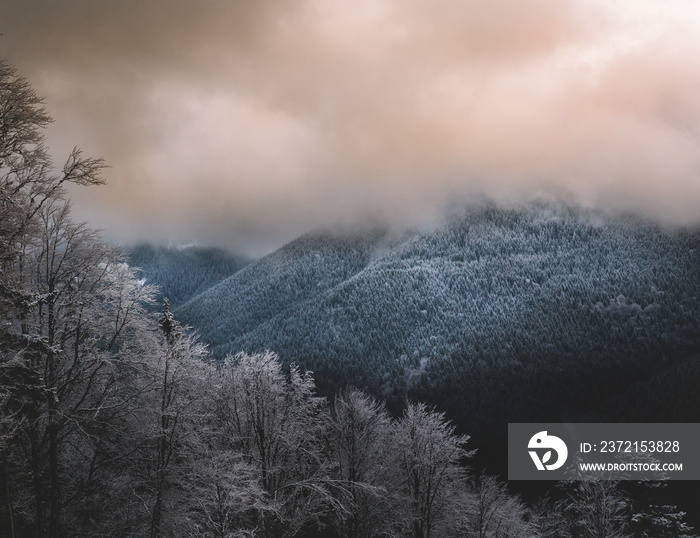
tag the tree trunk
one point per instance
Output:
(8, 493)
(157, 514)
(38, 479)
(55, 501)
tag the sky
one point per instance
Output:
(244, 123)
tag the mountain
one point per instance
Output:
(183, 272)
(536, 314)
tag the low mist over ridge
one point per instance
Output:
(245, 124)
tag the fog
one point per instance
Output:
(243, 124)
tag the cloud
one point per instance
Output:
(246, 123)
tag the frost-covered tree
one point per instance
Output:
(661, 521)
(490, 511)
(224, 495)
(548, 516)
(69, 313)
(596, 509)
(276, 422)
(87, 305)
(176, 396)
(365, 464)
(28, 182)
(431, 460)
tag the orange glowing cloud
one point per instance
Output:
(245, 123)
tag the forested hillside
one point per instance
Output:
(528, 314)
(183, 272)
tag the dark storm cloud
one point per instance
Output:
(245, 123)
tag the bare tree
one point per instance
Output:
(69, 312)
(276, 422)
(28, 183)
(27, 177)
(491, 512)
(431, 462)
(176, 398)
(597, 509)
(85, 304)
(364, 462)
(223, 494)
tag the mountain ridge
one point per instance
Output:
(475, 316)
(183, 272)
